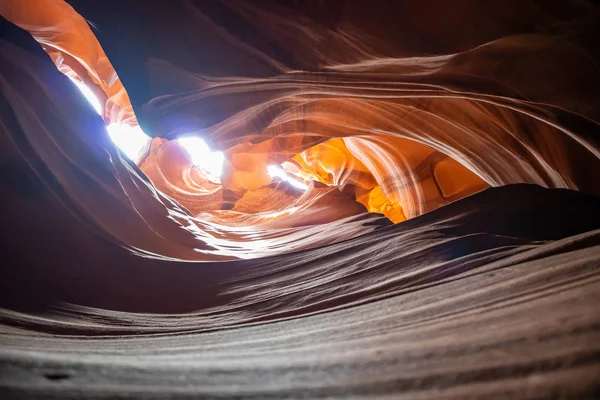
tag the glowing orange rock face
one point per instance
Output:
(381, 186)
(171, 170)
(397, 136)
(388, 172)
(67, 38)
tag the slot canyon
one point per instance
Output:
(278, 199)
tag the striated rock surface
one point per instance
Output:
(433, 232)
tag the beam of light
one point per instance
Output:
(131, 140)
(89, 95)
(208, 161)
(277, 172)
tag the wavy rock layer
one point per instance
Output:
(495, 294)
(404, 115)
(146, 278)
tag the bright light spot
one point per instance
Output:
(208, 161)
(277, 172)
(131, 140)
(89, 95)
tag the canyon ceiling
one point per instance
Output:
(300, 199)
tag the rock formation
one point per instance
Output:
(402, 200)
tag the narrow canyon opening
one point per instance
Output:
(299, 199)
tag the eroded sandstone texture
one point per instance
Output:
(410, 262)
